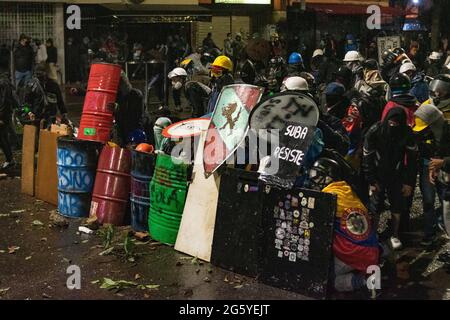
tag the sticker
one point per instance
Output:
(294, 202)
(294, 238)
(300, 231)
(306, 248)
(301, 241)
(267, 189)
(282, 216)
(295, 221)
(294, 230)
(311, 202)
(278, 223)
(283, 225)
(304, 225)
(296, 214)
(299, 255)
(300, 247)
(300, 194)
(289, 216)
(288, 196)
(311, 225)
(286, 253)
(307, 242)
(280, 204)
(305, 211)
(305, 258)
(355, 222)
(307, 233)
(292, 257)
(278, 246)
(280, 254)
(289, 229)
(304, 202)
(246, 188)
(276, 210)
(286, 243)
(280, 233)
(89, 131)
(293, 247)
(287, 204)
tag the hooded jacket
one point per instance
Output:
(390, 153)
(8, 99)
(407, 101)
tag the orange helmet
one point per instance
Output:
(145, 147)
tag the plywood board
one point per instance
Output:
(47, 176)
(28, 151)
(196, 231)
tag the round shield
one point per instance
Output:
(186, 128)
(281, 108)
(258, 49)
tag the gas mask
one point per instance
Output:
(177, 85)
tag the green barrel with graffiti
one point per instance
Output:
(168, 190)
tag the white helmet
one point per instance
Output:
(177, 72)
(317, 52)
(435, 56)
(352, 56)
(407, 67)
(295, 83)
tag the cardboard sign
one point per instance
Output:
(288, 156)
(275, 112)
(298, 232)
(28, 165)
(238, 230)
(199, 215)
(385, 43)
(229, 124)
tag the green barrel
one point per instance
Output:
(168, 190)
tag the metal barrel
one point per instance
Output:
(168, 190)
(112, 185)
(76, 163)
(142, 168)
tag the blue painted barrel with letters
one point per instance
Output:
(77, 164)
(142, 168)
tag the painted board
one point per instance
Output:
(46, 184)
(28, 165)
(199, 215)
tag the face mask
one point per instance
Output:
(177, 85)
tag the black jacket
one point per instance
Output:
(52, 55)
(129, 115)
(388, 158)
(334, 135)
(23, 58)
(8, 98)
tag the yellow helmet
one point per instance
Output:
(185, 62)
(224, 62)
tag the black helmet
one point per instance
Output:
(248, 72)
(345, 75)
(440, 87)
(400, 83)
(398, 51)
(370, 64)
(388, 57)
(323, 172)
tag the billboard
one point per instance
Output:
(244, 1)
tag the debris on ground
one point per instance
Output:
(92, 223)
(3, 291)
(141, 236)
(4, 215)
(13, 249)
(57, 220)
(18, 211)
(106, 252)
(85, 230)
(37, 223)
(118, 285)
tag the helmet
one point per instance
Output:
(145, 147)
(370, 64)
(334, 89)
(295, 58)
(295, 83)
(400, 83)
(408, 66)
(352, 56)
(248, 72)
(317, 52)
(177, 72)
(398, 51)
(206, 58)
(435, 56)
(345, 74)
(323, 172)
(186, 62)
(350, 37)
(220, 64)
(137, 136)
(440, 86)
(389, 56)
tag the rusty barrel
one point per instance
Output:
(98, 108)
(168, 190)
(76, 162)
(112, 185)
(142, 168)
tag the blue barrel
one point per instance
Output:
(77, 164)
(142, 168)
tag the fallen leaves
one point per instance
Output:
(37, 223)
(3, 291)
(4, 215)
(28, 258)
(13, 249)
(106, 252)
(118, 285)
(18, 211)
(57, 220)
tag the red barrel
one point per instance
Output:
(97, 118)
(112, 185)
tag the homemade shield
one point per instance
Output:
(238, 230)
(186, 128)
(298, 231)
(229, 124)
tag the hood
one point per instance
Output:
(418, 77)
(395, 133)
(406, 100)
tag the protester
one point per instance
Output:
(433, 66)
(178, 78)
(41, 53)
(23, 61)
(419, 86)
(295, 65)
(221, 73)
(228, 45)
(389, 164)
(208, 42)
(237, 46)
(52, 60)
